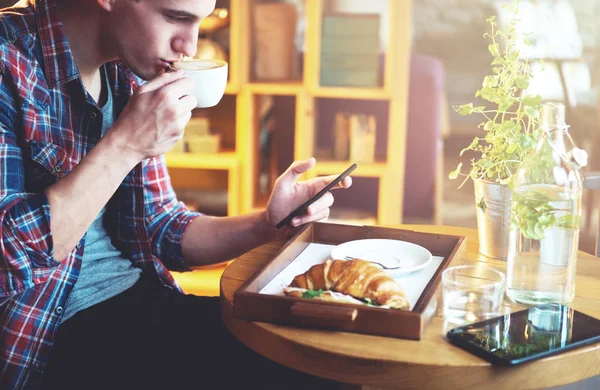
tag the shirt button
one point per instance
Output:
(57, 169)
(93, 115)
(58, 310)
(78, 246)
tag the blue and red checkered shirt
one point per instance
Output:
(48, 123)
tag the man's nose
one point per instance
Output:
(188, 43)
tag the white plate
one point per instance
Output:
(410, 257)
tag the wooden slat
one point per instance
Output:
(391, 195)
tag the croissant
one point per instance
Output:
(358, 278)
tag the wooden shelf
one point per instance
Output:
(273, 88)
(351, 93)
(232, 89)
(224, 160)
(227, 161)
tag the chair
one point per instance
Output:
(426, 129)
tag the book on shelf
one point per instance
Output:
(350, 51)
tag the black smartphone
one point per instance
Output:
(302, 209)
(527, 335)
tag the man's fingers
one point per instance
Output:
(316, 211)
(182, 120)
(320, 204)
(161, 81)
(322, 215)
(345, 183)
(177, 89)
(186, 104)
(318, 183)
(295, 170)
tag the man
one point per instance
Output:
(89, 221)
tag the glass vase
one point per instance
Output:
(545, 214)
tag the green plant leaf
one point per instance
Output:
(494, 49)
(522, 82)
(533, 213)
(505, 102)
(488, 93)
(454, 174)
(530, 100)
(465, 109)
(509, 126)
(489, 126)
(510, 120)
(490, 81)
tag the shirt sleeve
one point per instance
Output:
(166, 217)
(25, 238)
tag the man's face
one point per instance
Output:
(149, 35)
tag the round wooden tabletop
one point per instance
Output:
(431, 362)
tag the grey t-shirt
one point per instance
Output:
(104, 272)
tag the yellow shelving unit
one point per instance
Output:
(287, 88)
(395, 90)
(242, 163)
(226, 161)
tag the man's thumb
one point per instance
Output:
(296, 170)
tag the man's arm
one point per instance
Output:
(25, 246)
(209, 240)
(77, 199)
(149, 125)
(38, 229)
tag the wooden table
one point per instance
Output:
(397, 363)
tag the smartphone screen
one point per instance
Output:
(302, 209)
(528, 334)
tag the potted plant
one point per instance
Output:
(509, 133)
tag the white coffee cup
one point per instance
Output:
(210, 77)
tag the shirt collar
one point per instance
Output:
(58, 60)
(60, 66)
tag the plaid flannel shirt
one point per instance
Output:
(47, 125)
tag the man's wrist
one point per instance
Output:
(271, 232)
(267, 227)
(118, 149)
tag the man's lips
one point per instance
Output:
(168, 64)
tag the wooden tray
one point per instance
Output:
(249, 304)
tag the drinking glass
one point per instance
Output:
(471, 293)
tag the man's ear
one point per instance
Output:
(107, 5)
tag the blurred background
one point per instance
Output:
(371, 82)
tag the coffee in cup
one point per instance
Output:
(210, 79)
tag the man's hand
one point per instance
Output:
(288, 194)
(155, 117)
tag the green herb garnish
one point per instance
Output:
(370, 302)
(310, 294)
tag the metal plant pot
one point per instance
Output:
(493, 218)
